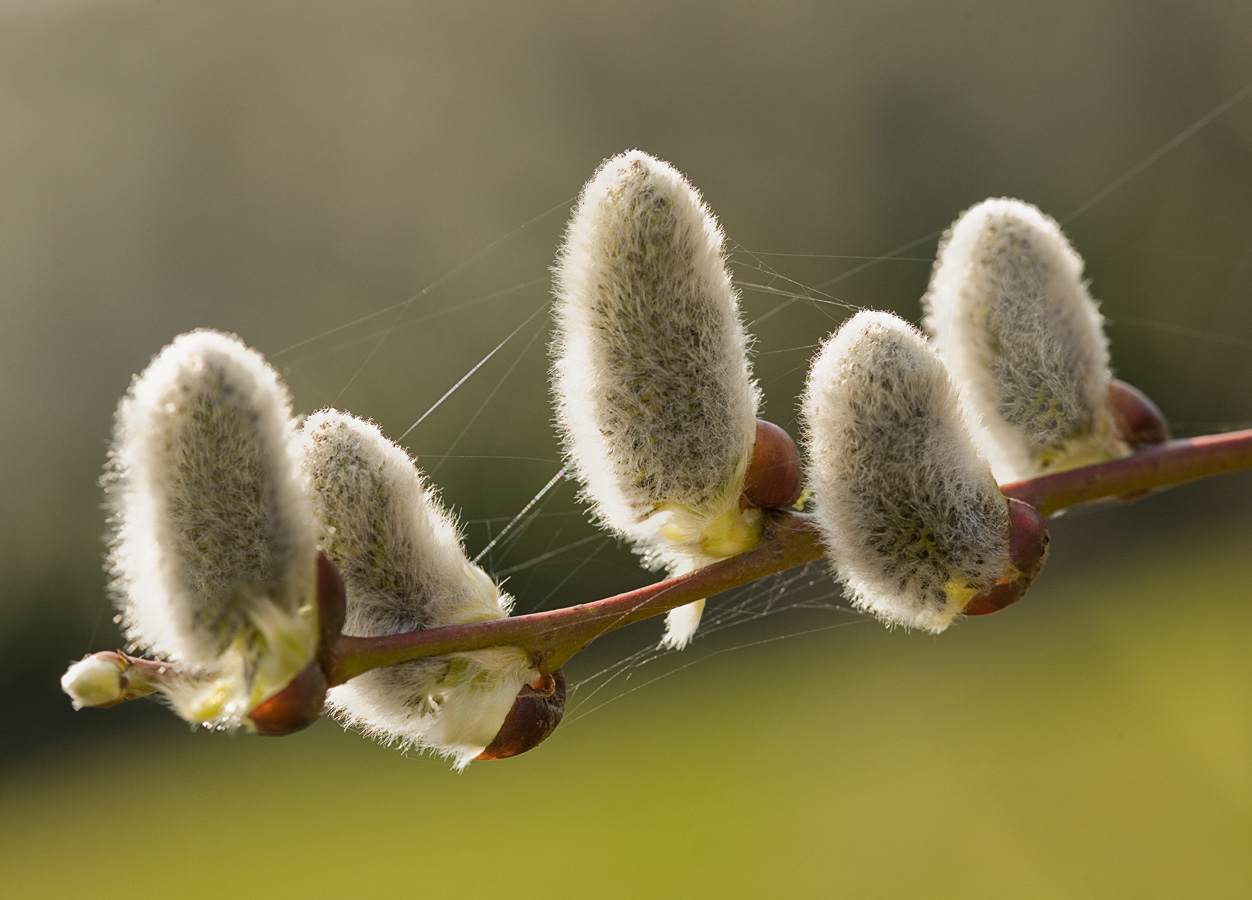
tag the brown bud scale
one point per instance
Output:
(295, 707)
(1028, 551)
(1136, 420)
(535, 714)
(773, 478)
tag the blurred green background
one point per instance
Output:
(372, 193)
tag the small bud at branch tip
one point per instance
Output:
(96, 680)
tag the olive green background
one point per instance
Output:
(372, 193)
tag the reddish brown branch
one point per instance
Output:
(790, 539)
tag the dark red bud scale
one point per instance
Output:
(773, 479)
(1135, 418)
(1136, 421)
(332, 606)
(1028, 551)
(535, 714)
(295, 707)
(1028, 538)
(300, 703)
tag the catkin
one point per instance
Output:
(908, 508)
(1012, 316)
(654, 394)
(212, 552)
(404, 570)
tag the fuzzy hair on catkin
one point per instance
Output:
(404, 570)
(1011, 315)
(908, 508)
(212, 545)
(654, 395)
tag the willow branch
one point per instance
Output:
(1162, 466)
(790, 539)
(552, 637)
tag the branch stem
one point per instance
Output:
(552, 637)
(790, 539)
(1164, 465)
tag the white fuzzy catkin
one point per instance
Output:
(404, 570)
(1011, 314)
(911, 515)
(654, 393)
(212, 550)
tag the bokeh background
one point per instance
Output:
(372, 193)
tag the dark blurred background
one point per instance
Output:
(372, 193)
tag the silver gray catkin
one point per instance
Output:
(212, 550)
(1012, 316)
(911, 516)
(404, 570)
(654, 395)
